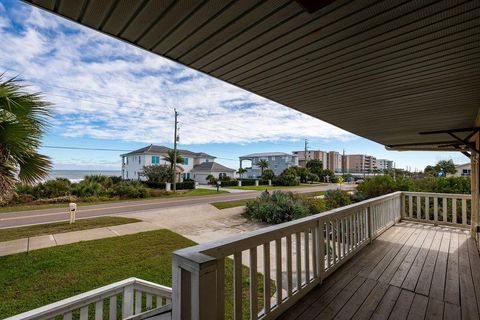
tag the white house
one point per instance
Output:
(201, 171)
(277, 162)
(133, 162)
(463, 170)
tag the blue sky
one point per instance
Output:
(108, 94)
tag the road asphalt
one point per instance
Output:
(23, 218)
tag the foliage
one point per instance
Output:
(211, 179)
(442, 168)
(312, 177)
(247, 182)
(190, 184)
(336, 198)
(225, 178)
(302, 174)
(315, 166)
(268, 174)
(276, 208)
(157, 173)
(263, 164)
(129, 190)
(173, 157)
(288, 177)
(23, 121)
(232, 183)
(242, 171)
(441, 184)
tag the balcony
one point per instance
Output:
(398, 255)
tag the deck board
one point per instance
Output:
(412, 271)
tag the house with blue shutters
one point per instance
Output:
(133, 162)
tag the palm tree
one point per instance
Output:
(172, 158)
(263, 164)
(241, 171)
(23, 121)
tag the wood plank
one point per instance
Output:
(278, 271)
(266, 276)
(452, 311)
(418, 308)
(452, 281)
(434, 309)
(112, 307)
(404, 267)
(402, 306)
(289, 265)
(411, 278)
(253, 284)
(437, 287)
(386, 304)
(386, 273)
(298, 256)
(340, 300)
(467, 289)
(426, 275)
(356, 301)
(371, 302)
(474, 266)
(237, 286)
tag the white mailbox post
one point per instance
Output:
(73, 211)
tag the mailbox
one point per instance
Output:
(73, 211)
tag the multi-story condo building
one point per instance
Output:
(133, 162)
(384, 164)
(360, 163)
(277, 162)
(312, 155)
(334, 161)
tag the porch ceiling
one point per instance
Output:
(385, 70)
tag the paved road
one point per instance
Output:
(21, 218)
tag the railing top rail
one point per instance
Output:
(438, 195)
(223, 247)
(72, 303)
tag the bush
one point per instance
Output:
(129, 189)
(89, 188)
(288, 177)
(263, 182)
(377, 186)
(157, 173)
(268, 174)
(232, 183)
(276, 208)
(64, 199)
(190, 184)
(336, 198)
(441, 184)
(247, 182)
(59, 187)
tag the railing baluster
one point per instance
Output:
(444, 200)
(306, 247)
(327, 241)
(127, 307)
(67, 316)
(410, 206)
(321, 250)
(298, 256)
(221, 286)
(159, 301)
(278, 258)
(419, 207)
(334, 242)
(99, 310)
(464, 212)
(148, 301)
(266, 276)
(138, 301)
(84, 313)
(454, 210)
(112, 308)
(237, 285)
(344, 236)
(289, 265)
(435, 210)
(315, 250)
(427, 208)
(253, 284)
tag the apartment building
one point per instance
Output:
(384, 164)
(334, 161)
(360, 163)
(277, 162)
(311, 155)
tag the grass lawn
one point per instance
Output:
(44, 276)
(180, 193)
(59, 227)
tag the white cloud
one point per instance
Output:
(104, 88)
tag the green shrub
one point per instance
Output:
(276, 208)
(232, 183)
(247, 182)
(288, 177)
(441, 184)
(336, 198)
(377, 186)
(89, 188)
(129, 189)
(268, 174)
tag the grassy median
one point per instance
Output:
(60, 227)
(44, 276)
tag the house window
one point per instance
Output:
(186, 176)
(139, 158)
(185, 161)
(222, 175)
(155, 159)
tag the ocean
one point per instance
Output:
(79, 175)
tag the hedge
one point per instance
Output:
(180, 185)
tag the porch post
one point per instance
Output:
(475, 185)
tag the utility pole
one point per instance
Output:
(174, 173)
(306, 150)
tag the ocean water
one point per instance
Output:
(79, 175)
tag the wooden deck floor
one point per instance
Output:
(412, 271)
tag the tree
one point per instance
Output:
(315, 166)
(263, 164)
(441, 168)
(211, 179)
(157, 173)
(172, 158)
(23, 121)
(241, 172)
(268, 174)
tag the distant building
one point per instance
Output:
(312, 155)
(334, 161)
(200, 172)
(277, 162)
(463, 170)
(384, 164)
(133, 162)
(360, 163)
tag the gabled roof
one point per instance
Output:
(266, 154)
(153, 149)
(211, 166)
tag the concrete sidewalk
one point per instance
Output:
(45, 241)
(200, 223)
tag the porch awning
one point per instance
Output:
(385, 70)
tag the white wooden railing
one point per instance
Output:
(119, 300)
(280, 263)
(437, 208)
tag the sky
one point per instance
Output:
(107, 94)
